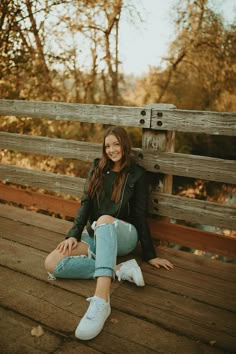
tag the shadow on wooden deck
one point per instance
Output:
(190, 309)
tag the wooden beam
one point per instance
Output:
(152, 160)
(162, 119)
(194, 166)
(39, 201)
(173, 206)
(194, 238)
(160, 230)
(77, 112)
(193, 210)
(160, 141)
(216, 123)
(55, 182)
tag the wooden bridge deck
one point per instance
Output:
(190, 309)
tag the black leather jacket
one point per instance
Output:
(131, 208)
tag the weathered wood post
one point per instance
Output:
(160, 140)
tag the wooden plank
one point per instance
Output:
(203, 265)
(59, 227)
(33, 270)
(45, 303)
(40, 225)
(30, 261)
(183, 315)
(44, 180)
(162, 204)
(50, 146)
(29, 235)
(77, 112)
(142, 336)
(201, 167)
(27, 217)
(193, 210)
(182, 260)
(191, 275)
(178, 120)
(36, 299)
(39, 201)
(189, 281)
(194, 238)
(194, 121)
(38, 238)
(182, 208)
(192, 284)
(54, 308)
(179, 234)
(171, 163)
(182, 281)
(15, 337)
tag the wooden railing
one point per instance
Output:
(158, 123)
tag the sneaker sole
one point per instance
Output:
(86, 337)
(138, 277)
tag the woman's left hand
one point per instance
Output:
(160, 262)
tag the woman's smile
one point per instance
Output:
(113, 148)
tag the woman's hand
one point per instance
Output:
(160, 262)
(66, 246)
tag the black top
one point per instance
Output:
(132, 206)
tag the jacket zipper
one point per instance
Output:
(122, 195)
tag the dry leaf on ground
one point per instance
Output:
(37, 331)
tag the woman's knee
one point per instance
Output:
(56, 256)
(47, 263)
(51, 260)
(105, 219)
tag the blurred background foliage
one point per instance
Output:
(68, 51)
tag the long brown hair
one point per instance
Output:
(105, 164)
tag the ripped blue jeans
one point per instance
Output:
(111, 240)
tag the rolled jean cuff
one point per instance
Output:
(104, 272)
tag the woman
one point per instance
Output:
(113, 208)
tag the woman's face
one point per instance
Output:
(113, 149)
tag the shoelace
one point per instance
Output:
(93, 309)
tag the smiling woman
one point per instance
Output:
(114, 151)
(113, 208)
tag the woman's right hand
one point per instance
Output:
(65, 247)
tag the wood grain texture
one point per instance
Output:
(50, 342)
(194, 238)
(153, 160)
(194, 121)
(193, 210)
(77, 112)
(178, 234)
(190, 309)
(180, 208)
(44, 180)
(160, 119)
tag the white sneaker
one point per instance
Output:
(130, 271)
(93, 321)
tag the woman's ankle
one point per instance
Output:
(103, 288)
